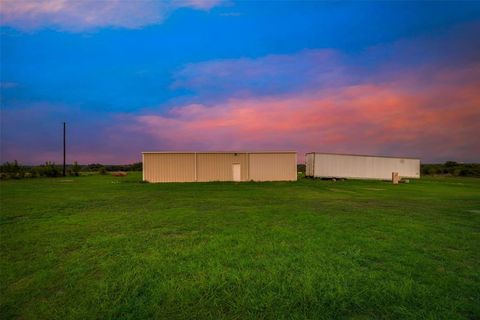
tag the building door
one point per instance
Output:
(236, 172)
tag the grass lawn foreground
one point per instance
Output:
(103, 247)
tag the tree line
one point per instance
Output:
(451, 168)
(14, 170)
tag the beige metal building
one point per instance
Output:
(219, 166)
(329, 165)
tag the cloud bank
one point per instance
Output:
(434, 121)
(386, 100)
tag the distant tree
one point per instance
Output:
(301, 168)
(10, 167)
(12, 170)
(50, 169)
(75, 169)
(94, 166)
(136, 166)
(450, 164)
(452, 168)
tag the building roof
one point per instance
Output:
(173, 152)
(361, 155)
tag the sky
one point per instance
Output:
(380, 78)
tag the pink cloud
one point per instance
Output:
(89, 14)
(435, 122)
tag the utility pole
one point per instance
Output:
(64, 148)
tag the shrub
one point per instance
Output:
(450, 164)
(50, 170)
(102, 171)
(92, 167)
(12, 170)
(8, 167)
(75, 169)
(136, 166)
(452, 168)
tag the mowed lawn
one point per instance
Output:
(108, 247)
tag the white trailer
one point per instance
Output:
(330, 165)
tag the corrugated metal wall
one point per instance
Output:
(210, 166)
(169, 167)
(363, 167)
(273, 166)
(218, 166)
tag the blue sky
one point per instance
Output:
(125, 86)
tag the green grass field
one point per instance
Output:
(114, 248)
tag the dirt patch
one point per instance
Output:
(119, 174)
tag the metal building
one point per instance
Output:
(329, 165)
(219, 166)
